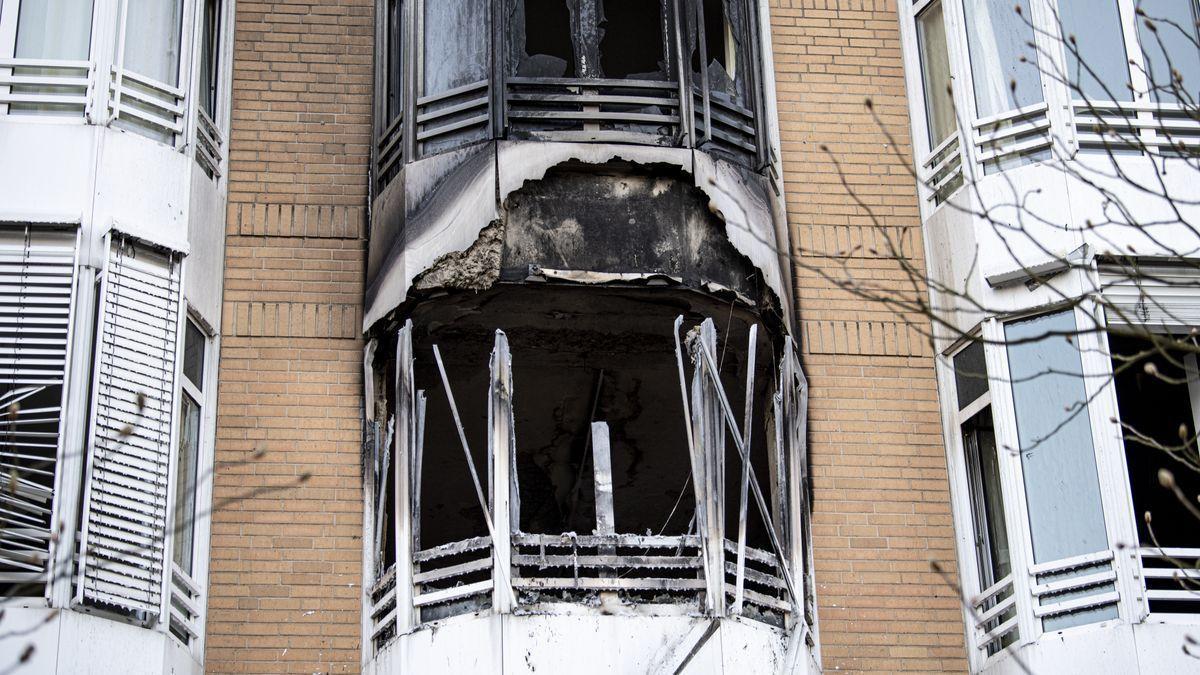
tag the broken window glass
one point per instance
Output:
(547, 49)
(634, 44)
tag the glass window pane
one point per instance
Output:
(1173, 46)
(457, 44)
(210, 53)
(1100, 71)
(152, 36)
(185, 483)
(194, 343)
(987, 503)
(935, 74)
(54, 29)
(1062, 487)
(997, 39)
(970, 374)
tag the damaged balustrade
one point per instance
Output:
(733, 558)
(680, 73)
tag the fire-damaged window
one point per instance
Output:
(593, 39)
(584, 456)
(680, 73)
(723, 60)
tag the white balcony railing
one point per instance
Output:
(995, 616)
(941, 171)
(210, 146)
(1171, 578)
(46, 85)
(153, 106)
(186, 606)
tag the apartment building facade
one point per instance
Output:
(527, 335)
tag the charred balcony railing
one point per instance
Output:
(711, 568)
(449, 75)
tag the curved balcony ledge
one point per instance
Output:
(593, 643)
(1151, 646)
(441, 205)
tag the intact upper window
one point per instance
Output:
(935, 75)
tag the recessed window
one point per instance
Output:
(548, 50)
(633, 42)
(993, 559)
(210, 56)
(1158, 423)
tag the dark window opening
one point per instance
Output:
(548, 48)
(632, 45)
(210, 56)
(581, 356)
(721, 44)
(1159, 429)
(395, 47)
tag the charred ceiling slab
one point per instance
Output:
(620, 217)
(440, 206)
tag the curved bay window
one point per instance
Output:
(680, 73)
(629, 488)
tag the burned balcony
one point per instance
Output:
(586, 459)
(675, 73)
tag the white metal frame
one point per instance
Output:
(1112, 473)
(103, 81)
(161, 622)
(1062, 121)
(201, 128)
(192, 590)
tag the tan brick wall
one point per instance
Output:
(879, 472)
(286, 552)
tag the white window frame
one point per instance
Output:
(1141, 609)
(85, 74)
(63, 499)
(196, 584)
(1116, 500)
(930, 161)
(208, 136)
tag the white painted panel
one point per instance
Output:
(143, 188)
(47, 171)
(27, 626)
(206, 241)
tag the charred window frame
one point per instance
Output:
(748, 551)
(458, 72)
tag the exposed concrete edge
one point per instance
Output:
(460, 194)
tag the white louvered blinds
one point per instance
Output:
(125, 513)
(37, 266)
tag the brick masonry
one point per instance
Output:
(882, 507)
(285, 585)
(286, 552)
